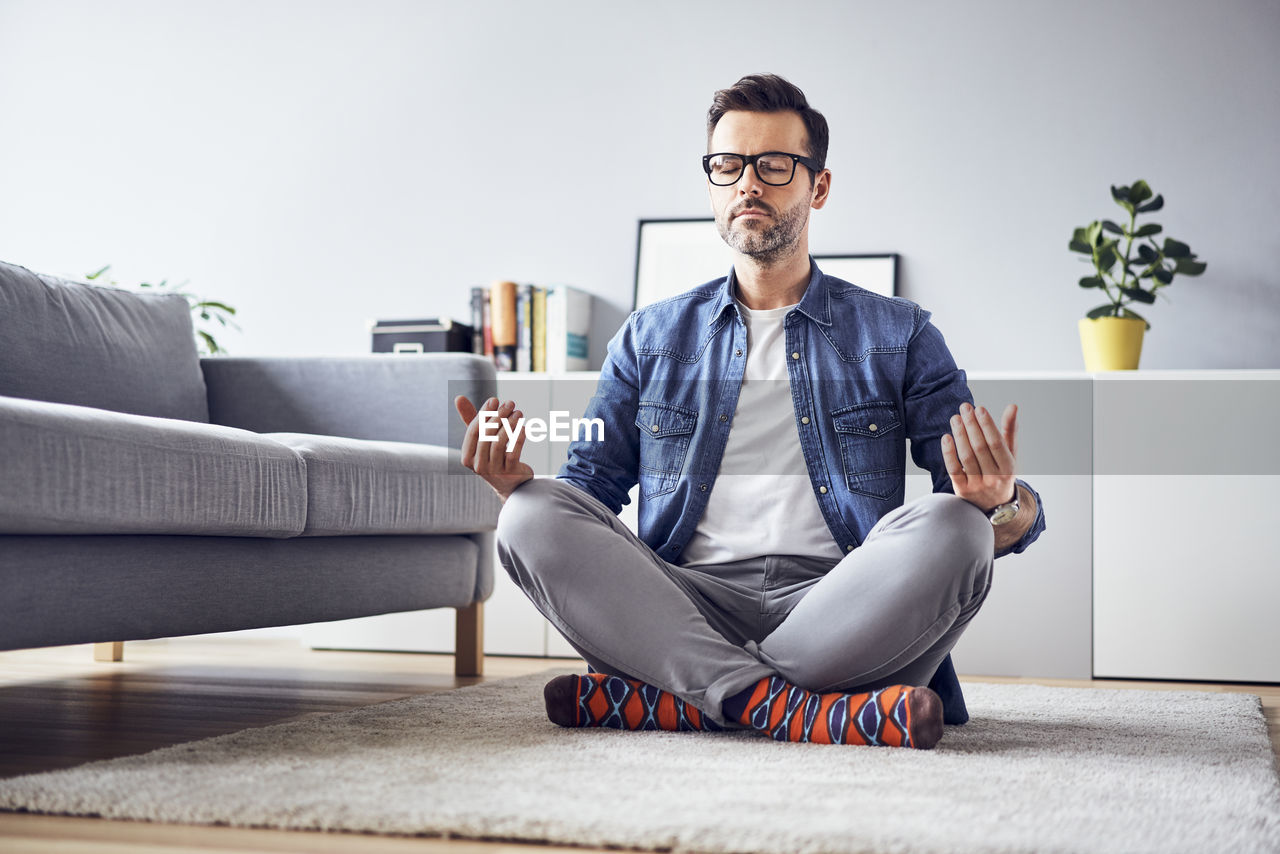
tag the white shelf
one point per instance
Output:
(1137, 575)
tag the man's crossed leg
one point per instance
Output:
(804, 651)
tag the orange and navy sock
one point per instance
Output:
(598, 700)
(897, 716)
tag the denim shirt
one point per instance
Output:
(868, 375)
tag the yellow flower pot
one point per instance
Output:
(1111, 343)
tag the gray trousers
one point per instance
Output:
(888, 613)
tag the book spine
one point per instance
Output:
(477, 321)
(539, 329)
(524, 328)
(487, 332)
(574, 334)
(502, 301)
(555, 330)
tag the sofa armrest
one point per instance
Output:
(392, 397)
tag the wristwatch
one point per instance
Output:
(1003, 513)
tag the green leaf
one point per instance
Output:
(1163, 276)
(1080, 241)
(1092, 282)
(1154, 205)
(1121, 197)
(1112, 227)
(1176, 249)
(1107, 258)
(209, 342)
(1147, 255)
(1139, 295)
(1148, 230)
(1139, 192)
(1108, 310)
(1187, 267)
(93, 276)
(220, 306)
(1092, 232)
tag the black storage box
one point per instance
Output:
(429, 335)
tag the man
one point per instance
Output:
(777, 581)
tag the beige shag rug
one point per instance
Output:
(1037, 769)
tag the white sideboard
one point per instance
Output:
(1159, 559)
(1186, 552)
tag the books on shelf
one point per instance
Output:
(525, 327)
(521, 327)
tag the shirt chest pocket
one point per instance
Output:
(871, 447)
(665, 433)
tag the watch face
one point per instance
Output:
(1003, 513)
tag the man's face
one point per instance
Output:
(760, 220)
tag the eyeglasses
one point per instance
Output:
(775, 168)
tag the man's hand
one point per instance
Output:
(501, 469)
(980, 457)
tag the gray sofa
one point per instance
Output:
(146, 492)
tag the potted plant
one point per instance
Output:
(1111, 334)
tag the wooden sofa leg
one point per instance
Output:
(468, 656)
(111, 651)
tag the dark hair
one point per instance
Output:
(769, 93)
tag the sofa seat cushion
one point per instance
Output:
(78, 470)
(357, 486)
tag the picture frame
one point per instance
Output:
(674, 255)
(877, 273)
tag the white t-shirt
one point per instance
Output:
(762, 502)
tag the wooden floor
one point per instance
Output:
(59, 708)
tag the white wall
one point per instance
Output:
(320, 164)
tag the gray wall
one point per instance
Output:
(321, 164)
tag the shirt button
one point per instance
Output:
(804, 419)
(822, 489)
(795, 355)
(655, 428)
(724, 418)
(848, 548)
(703, 487)
(737, 352)
(871, 427)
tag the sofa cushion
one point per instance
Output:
(68, 342)
(75, 470)
(357, 486)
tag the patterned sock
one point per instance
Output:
(897, 716)
(611, 701)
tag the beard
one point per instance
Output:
(769, 245)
